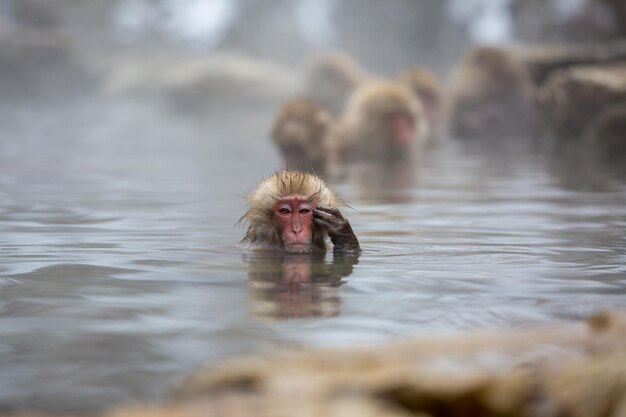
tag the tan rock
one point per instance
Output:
(571, 370)
(568, 370)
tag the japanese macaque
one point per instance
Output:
(618, 7)
(295, 212)
(491, 95)
(578, 99)
(428, 89)
(301, 132)
(331, 79)
(605, 135)
(595, 162)
(383, 122)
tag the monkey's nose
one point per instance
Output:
(296, 226)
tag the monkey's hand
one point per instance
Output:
(338, 228)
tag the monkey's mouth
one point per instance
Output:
(297, 247)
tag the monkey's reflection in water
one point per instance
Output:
(291, 286)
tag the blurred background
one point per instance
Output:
(383, 37)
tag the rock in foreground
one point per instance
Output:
(572, 370)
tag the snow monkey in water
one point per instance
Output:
(295, 212)
(331, 78)
(491, 95)
(382, 122)
(427, 87)
(301, 131)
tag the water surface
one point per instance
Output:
(119, 274)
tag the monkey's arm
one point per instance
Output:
(338, 228)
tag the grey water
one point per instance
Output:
(119, 272)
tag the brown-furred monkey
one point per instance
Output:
(382, 122)
(301, 131)
(491, 96)
(428, 89)
(295, 212)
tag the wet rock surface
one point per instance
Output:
(576, 370)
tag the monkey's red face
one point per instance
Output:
(429, 105)
(403, 127)
(295, 215)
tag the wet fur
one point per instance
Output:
(363, 132)
(428, 89)
(423, 83)
(490, 94)
(264, 230)
(302, 123)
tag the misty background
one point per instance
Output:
(383, 36)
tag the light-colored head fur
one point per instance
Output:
(378, 98)
(304, 124)
(365, 121)
(422, 81)
(263, 228)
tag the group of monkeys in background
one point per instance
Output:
(346, 115)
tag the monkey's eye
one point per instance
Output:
(284, 210)
(305, 210)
